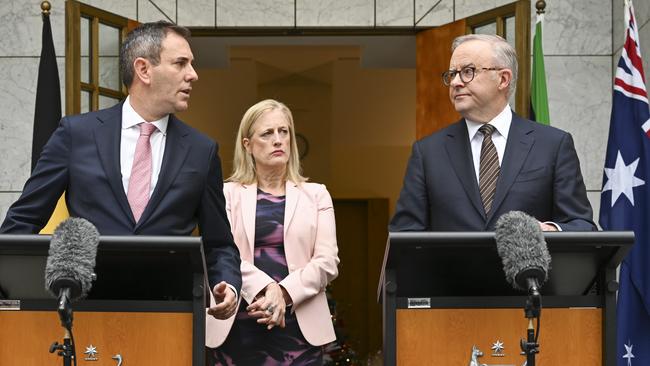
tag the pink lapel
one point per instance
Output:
(248, 197)
(293, 193)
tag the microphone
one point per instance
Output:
(70, 264)
(523, 251)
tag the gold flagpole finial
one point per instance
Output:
(541, 6)
(45, 7)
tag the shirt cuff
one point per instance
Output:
(233, 290)
(554, 224)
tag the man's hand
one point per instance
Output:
(226, 301)
(547, 227)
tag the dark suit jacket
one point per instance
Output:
(82, 158)
(540, 175)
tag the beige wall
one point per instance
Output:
(359, 122)
(373, 127)
(219, 98)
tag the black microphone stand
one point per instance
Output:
(532, 310)
(65, 350)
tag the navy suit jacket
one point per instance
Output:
(82, 158)
(540, 175)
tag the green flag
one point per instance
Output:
(538, 96)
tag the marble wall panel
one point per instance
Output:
(391, 13)
(615, 58)
(466, 8)
(197, 13)
(618, 24)
(580, 94)
(125, 8)
(109, 40)
(109, 73)
(167, 7)
(594, 199)
(21, 23)
(17, 103)
(431, 13)
(17, 98)
(155, 10)
(6, 200)
(335, 13)
(576, 27)
(251, 13)
(644, 36)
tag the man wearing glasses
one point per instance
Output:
(464, 177)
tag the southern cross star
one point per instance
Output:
(628, 355)
(497, 347)
(621, 179)
(91, 351)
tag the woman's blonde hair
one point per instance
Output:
(243, 164)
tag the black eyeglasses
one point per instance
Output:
(466, 74)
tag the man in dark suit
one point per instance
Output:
(464, 177)
(136, 169)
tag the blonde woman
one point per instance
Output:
(285, 230)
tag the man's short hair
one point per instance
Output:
(146, 41)
(504, 54)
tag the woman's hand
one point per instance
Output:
(270, 307)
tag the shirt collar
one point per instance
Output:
(131, 118)
(501, 123)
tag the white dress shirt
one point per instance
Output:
(129, 138)
(130, 133)
(499, 137)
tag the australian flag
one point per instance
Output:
(625, 198)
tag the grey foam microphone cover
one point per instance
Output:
(521, 246)
(71, 257)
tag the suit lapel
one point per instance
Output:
(520, 141)
(291, 202)
(459, 153)
(176, 149)
(248, 199)
(107, 135)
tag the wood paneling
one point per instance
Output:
(445, 336)
(433, 108)
(141, 338)
(361, 230)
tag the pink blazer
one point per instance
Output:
(311, 252)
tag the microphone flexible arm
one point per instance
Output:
(532, 310)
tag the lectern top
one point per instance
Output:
(467, 263)
(127, 267)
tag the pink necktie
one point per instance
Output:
(140, 181)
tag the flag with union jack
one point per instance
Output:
(625, 198)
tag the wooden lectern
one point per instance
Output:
(146, 307)
(443, 293)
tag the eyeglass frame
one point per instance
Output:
(453, 73)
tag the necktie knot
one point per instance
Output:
(146, 128)
(487, 130)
